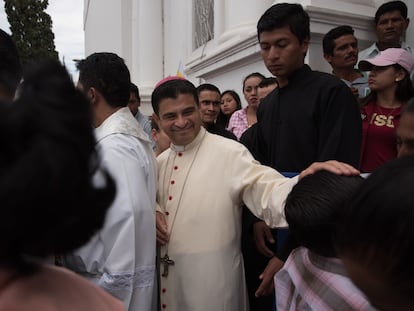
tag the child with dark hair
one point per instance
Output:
(375, 239)
(313, 278)
(54, 194)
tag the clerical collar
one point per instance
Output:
(197, 140)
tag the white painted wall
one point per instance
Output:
(103, 26)
(154, 36)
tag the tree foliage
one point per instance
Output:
(31, 29)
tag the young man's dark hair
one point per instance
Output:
(172, 89)
(108, 74)
(10, 66)
(390, 7)
(313, 207)
(207, 87)
(328, 41)
(285, 14)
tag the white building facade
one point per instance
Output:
(214, 41)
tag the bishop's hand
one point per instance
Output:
(332, 166)
(161, 225)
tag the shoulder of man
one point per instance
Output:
(216, 129)
(369, 52)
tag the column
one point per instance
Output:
(238, 17)
(146, 47)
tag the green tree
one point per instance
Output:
(31, 29)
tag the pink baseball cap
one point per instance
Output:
(169, 78)
(389, 57)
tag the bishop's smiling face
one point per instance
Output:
(179, 118)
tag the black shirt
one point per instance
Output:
(314, 118)
(218, 130)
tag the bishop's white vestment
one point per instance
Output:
(120, 258)
(201, 188)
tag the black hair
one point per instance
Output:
(390, 7)
(134, 89)
(207, 87)
(267, 81)
(286, 14)
(236, 97)
(377, 229)
(172, 89)
(50, 202)
(328, 41)
(222, 119)
(253, 74)
(10, 66)
(313, 206)
(107, 73)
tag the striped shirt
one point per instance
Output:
(308, 281)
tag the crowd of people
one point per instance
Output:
(212, 203)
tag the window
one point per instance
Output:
(203, 19)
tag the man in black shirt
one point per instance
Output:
(311, 116)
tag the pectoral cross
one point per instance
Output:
(166, 261)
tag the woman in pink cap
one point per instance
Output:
(391, 87)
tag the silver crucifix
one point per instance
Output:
(166, 261)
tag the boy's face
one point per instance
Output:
(282, 52)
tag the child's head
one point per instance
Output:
(376, 235)
(313, 206)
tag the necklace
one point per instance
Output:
(390, 112)
(166, 261)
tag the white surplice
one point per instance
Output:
(201, 188)
(120, 258)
